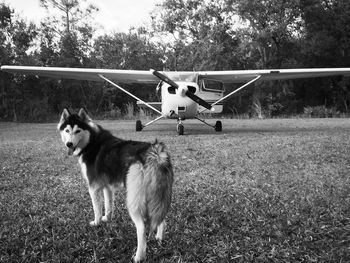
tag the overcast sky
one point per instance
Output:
(114, 15)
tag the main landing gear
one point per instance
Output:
(139, 125)
(217, 126)
(180, 127)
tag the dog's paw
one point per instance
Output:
(138, 260)
(106, 218)
(94, 223)
(159, 237)
(159, 241)
(139, 257)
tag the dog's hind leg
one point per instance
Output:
(108, 194)
(136, 206)
(95, 194)
(141, 236)
(160, 231)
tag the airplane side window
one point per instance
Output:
(209, 85)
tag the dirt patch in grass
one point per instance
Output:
(260, 191)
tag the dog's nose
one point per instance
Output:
(69, 144)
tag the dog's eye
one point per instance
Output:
(67, 131)
(78, 131)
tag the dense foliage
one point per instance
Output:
(185, 35)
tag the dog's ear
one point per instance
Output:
(64, 116)
(84, 116)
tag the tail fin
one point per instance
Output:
(159, 180)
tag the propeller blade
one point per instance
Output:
(199, 100)
(164, 78)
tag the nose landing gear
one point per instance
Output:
(180, 127)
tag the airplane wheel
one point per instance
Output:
(138, 125)
(180, 129)
(218, 126)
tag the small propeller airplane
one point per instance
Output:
(184, 94)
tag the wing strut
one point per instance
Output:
(236, 90)
(157, 119)
(130, 94)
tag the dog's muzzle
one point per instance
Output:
(70, 147)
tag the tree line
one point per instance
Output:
(183, 35)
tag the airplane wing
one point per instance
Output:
(123, 76)
(145, 76)
(240, 76)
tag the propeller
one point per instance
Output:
(189, 94)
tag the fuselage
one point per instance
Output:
(175, 103)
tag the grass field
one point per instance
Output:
(260, 191)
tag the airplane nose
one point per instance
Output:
(69, 144)
(182, 91)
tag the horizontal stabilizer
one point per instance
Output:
(157, 105)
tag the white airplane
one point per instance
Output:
(184, 94)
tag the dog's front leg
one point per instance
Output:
(95, 195)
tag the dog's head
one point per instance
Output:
(75, 130)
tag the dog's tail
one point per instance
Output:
(158, 179)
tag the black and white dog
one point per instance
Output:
(106, 161)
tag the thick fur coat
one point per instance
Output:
(106, 161)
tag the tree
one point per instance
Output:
(67, 41)
(326, 43)
(16, 39)
(132, 50)
(74, 29)
(274, 28)
(202, 33)
(272, 38)
(73, 15)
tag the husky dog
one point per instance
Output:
(106, 161)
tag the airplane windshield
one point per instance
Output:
(181, 76)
